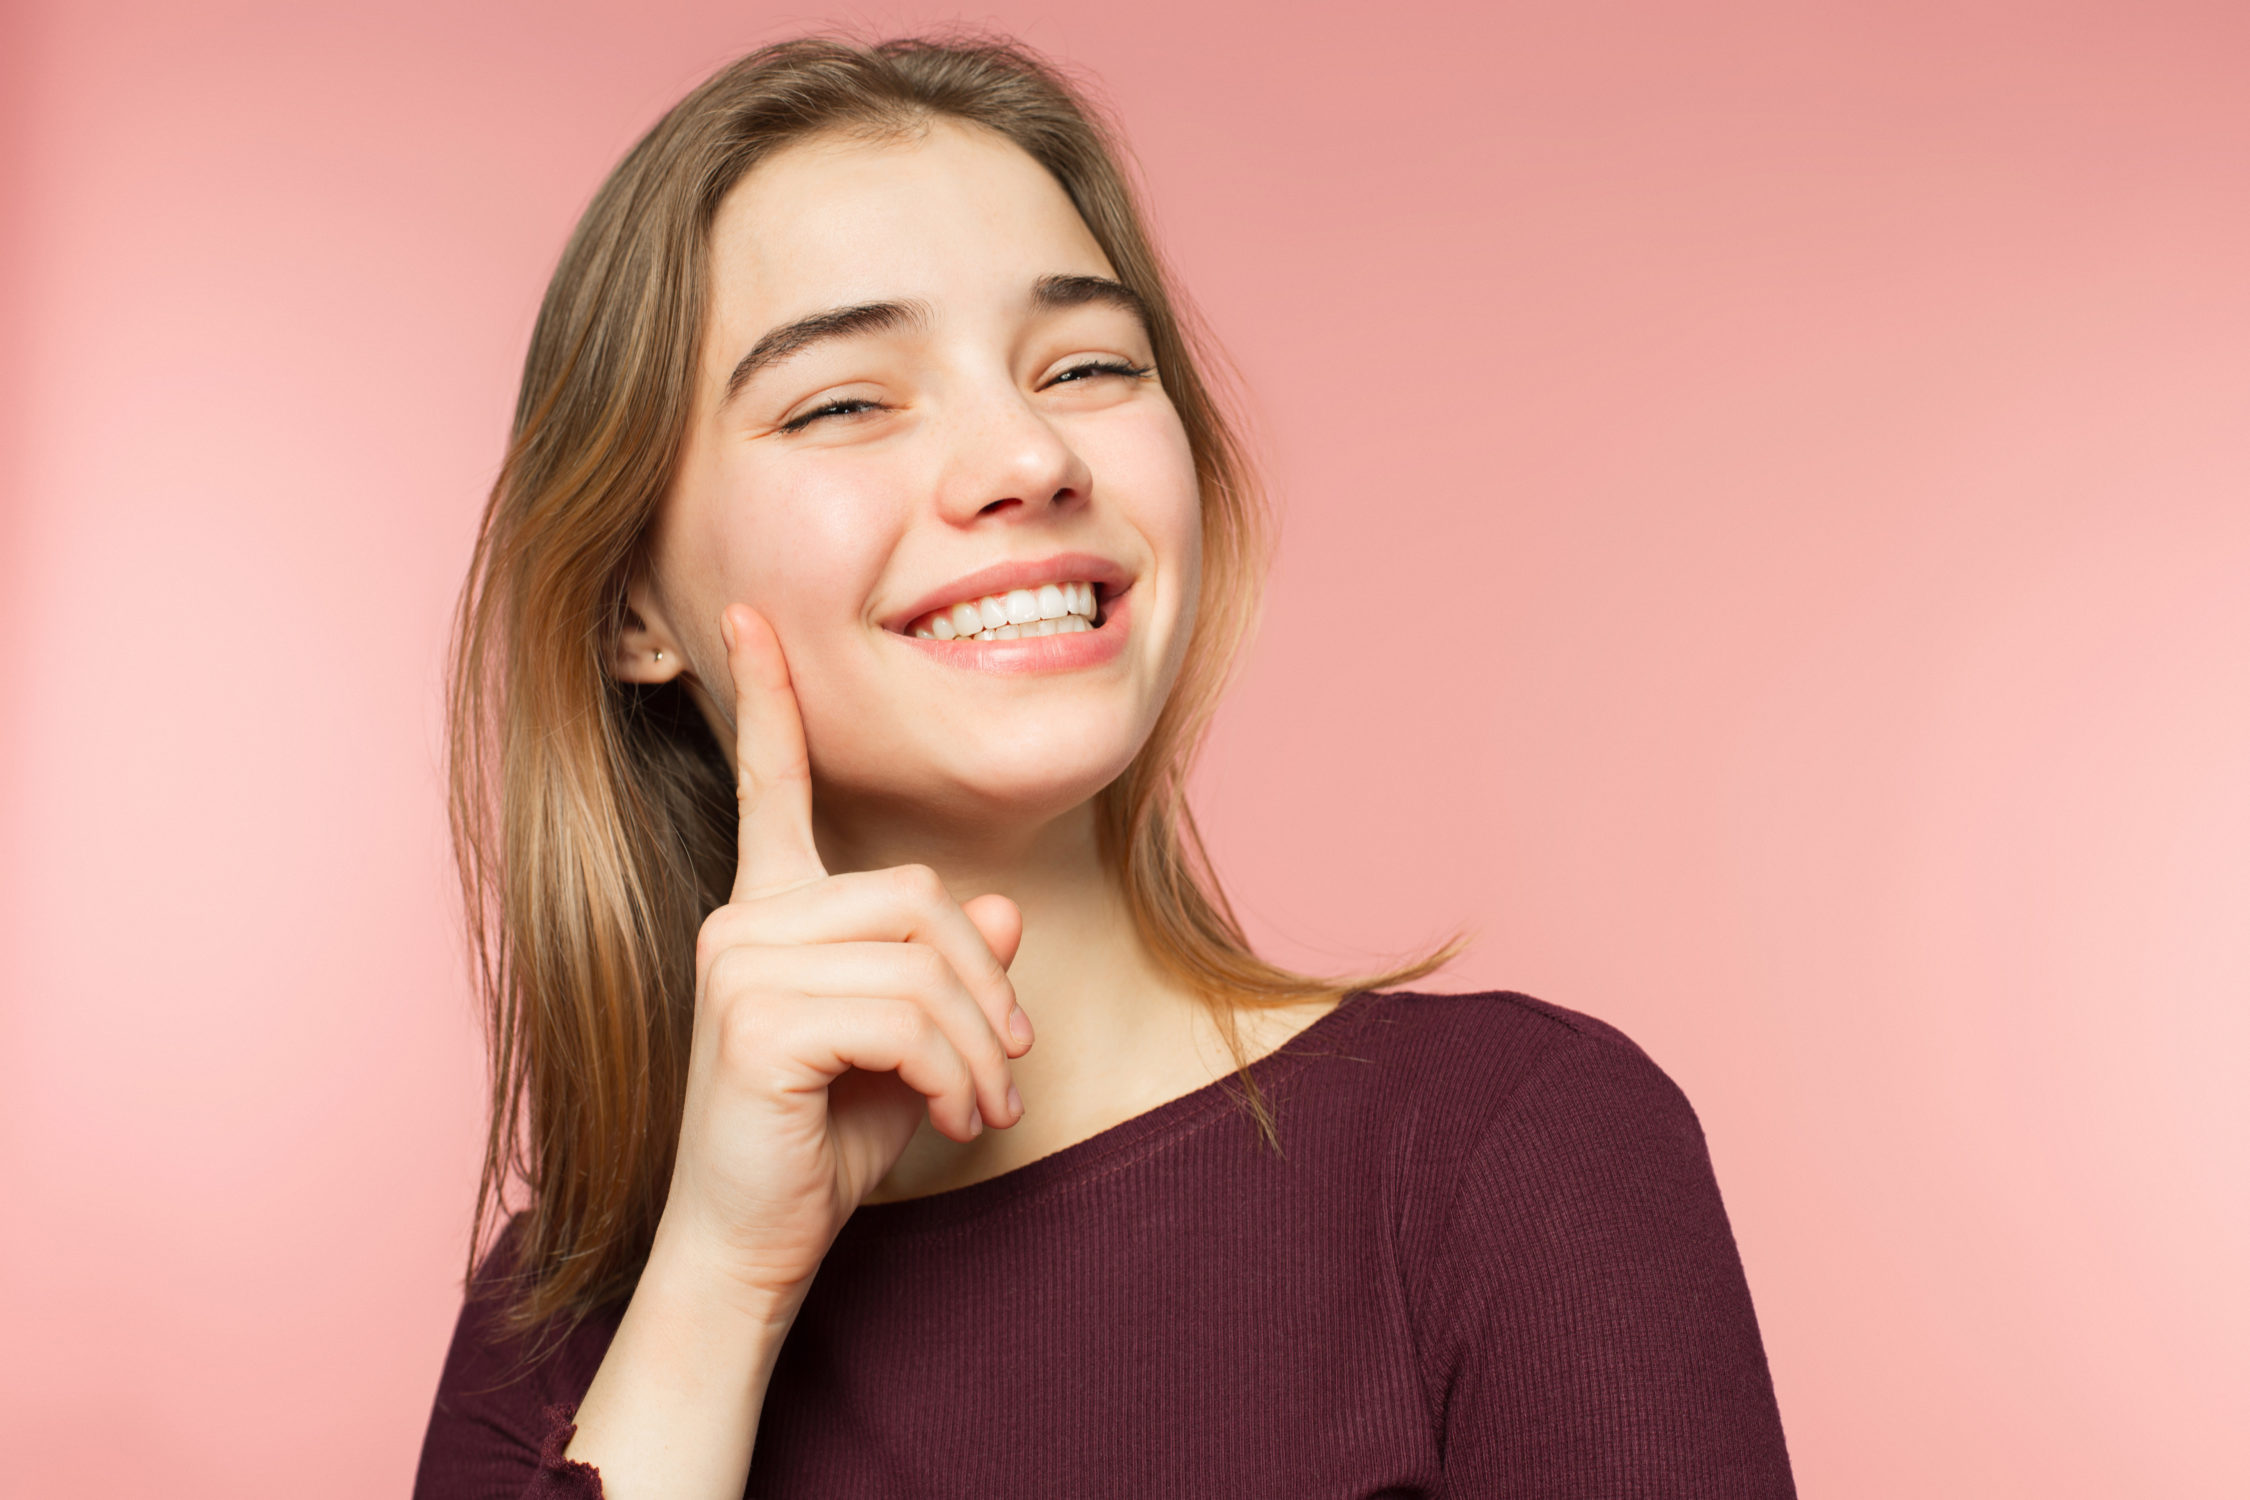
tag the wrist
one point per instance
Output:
(691, 1274)
(673, 1409)
(694, 1262)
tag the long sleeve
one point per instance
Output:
(501, 1418)
(1585, 1314)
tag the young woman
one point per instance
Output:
(898, 1108)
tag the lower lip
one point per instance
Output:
(1038, 653)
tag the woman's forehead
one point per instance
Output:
(948, 212)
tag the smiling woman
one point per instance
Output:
(862, 469)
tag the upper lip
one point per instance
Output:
(1063, 567)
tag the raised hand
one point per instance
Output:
(832, 1013)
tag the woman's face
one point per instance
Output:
(926, 410)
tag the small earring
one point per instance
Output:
(659, 656)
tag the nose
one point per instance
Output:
(1005, 458)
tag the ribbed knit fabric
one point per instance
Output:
(1490, 1259)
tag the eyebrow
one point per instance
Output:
(835, 323)
(1079, 291)
(1048, 292)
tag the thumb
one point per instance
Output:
(1000, 921)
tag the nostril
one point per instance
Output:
(997, 506)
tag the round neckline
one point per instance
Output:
(1105, 1151)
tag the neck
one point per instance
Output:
(1116, 1034)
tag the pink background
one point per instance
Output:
(1768, 503)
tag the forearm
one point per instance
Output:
(673, 1410)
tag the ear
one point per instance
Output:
(646, 650)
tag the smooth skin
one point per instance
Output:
(918, 880)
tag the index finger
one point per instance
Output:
(772, 771)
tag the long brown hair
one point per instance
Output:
(593, 821)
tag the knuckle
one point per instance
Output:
(951, 1070)
(926, 969)
(726, 928)
(989, 987)
(990, 1053)
(913, 1029)
(745, 1034)
(920, 884)
(730, 969)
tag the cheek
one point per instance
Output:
(1142, 463)
(803, 547)
(1153, 470)
(810, 545)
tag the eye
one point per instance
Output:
(1093, 367)
(849, 406)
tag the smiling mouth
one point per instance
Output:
(1050, 609)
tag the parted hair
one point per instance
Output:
(594, 821)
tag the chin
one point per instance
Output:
(1041, 798)
(1024, 784)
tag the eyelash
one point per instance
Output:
(854, 406)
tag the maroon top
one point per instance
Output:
(1490, 1259)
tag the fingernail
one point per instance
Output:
(976, 1122)
(1019, 1026)
(1015, 1103)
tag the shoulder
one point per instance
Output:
(1491, 1015)
(1475, 1111)
(1577, 1302)
(1463, 1066)
(1525, 1140)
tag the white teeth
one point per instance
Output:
(1050, 609)
(1067, 625)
